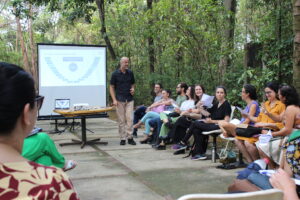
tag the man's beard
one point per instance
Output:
(178, 92)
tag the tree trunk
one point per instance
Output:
(151, 51)
(279, 36)
(101, 10)
(23, 48)
(296, 53)
(225, 61)
(32, 46)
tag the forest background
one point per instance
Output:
(211, 42)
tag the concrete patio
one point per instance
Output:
(134, 172)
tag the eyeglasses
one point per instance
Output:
(268, 92)
(39, 101)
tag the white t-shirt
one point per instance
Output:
(187, 104)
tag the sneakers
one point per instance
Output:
(161, 147)
(199, 157)
(131, 141)
(179, 146)
(123, 142)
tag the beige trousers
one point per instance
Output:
(125, 119)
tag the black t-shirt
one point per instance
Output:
(122, 82)
(220, 113)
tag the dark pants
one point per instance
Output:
(178, 131)
(201, 141)
(156, 124)
(138, 114)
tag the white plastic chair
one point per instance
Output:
(215, 134)
(272, 194)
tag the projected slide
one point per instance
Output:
(73, 72)
(67, 66)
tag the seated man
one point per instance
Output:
(141, 110)
(40, 148)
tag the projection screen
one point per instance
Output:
(75, 72)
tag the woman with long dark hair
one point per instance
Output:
(221, 110)
(18, 111)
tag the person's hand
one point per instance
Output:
(132, 91)
(184, 113)
(115, 103)
(200, 103)
(208, 120)
(148, 109)
(177, 110)
(281, 180)
(260, 124)
(263, 109)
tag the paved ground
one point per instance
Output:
(134, 172)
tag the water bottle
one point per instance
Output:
(262, 163)
(213, 155)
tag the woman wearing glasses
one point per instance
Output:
(247, 144)
(18, 111)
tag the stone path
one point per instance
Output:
(134, 172)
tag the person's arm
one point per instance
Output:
(158, 103)
(281, 180)
(211, 121)
(113, 95)
(251, 113)
(251, 118)
(132, 84)
(132, 90)
(276, 118)
(290, 115)
(168, 102)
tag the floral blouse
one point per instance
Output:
(29, 180)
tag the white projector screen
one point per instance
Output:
(75, 72)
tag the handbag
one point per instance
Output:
(227, 155)
(248, 132)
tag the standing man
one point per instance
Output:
(121, 91)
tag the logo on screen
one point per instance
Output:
(71, 69)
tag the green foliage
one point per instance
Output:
(188, 39)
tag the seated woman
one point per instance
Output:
(179, 128)
(186, 105)
(40, 148)
(156, 108)
(247, 144)
(289, 96)
(221, 110)
(252, 109)
(290, 153)
(18, 111)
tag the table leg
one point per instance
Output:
(83, 140)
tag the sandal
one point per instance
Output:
(70, 164)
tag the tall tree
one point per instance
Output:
(22, 42)
(225, 61)
(151, 50)
(33, 68)
(101, 10)
(296, 54)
